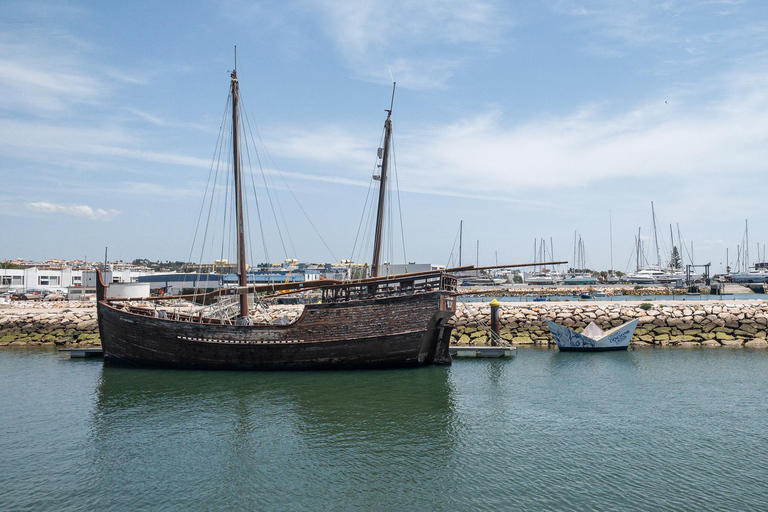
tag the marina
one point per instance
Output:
(291, 440)
(277, 256)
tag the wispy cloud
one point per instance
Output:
(80, 211)
(407, 37)
(326, 143)
(651, 139)
(674, 27)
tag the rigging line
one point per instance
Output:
(360, 224)
(248, 218)
(226, 211)
(399, 204)
(390, 229)
(213, 196)
(272, 181)
(365, 243)
(247, 227)
(317, 232)
(369, 228)
(365, 209)
(222, 192)
(266, 187)
(219, 142)
(253, 185)
(631, 257)
(261, 223)
(453, 248)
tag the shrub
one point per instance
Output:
(645, 306)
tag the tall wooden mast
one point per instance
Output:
(382, 188)
(241, 267)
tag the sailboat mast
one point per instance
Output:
(461, 236)
(746, 246)
(610, 234)
(243, 278)
(656, 238)
(382, 188)
(575, 261)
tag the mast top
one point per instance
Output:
(234, 71)
(391, 103)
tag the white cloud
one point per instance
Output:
(409, 35)
(653, 139)
(81, 211)
(331, 144)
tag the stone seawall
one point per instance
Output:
(59, 326)
(75, 324)
(666, 324)
(691, 324)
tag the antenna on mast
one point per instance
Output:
(392, 103)
(235, 58)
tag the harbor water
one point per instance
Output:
(649, 429)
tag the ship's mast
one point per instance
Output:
(241, 268)
(382, 188)
(610, 232)
(656, 239)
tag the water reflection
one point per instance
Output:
(620, 360)
(257, 432)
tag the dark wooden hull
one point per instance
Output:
(401, 331)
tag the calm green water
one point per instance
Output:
(641, 430)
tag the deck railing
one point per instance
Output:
(389, 288)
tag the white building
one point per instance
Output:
(45, 279)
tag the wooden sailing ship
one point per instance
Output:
(375, 322)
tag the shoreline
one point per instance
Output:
(662, 323)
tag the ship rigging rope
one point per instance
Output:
(269, 158)
(399, 204)
(370, 199)
(450, 264)
(245, 124)
(214, 164)
(369, 212)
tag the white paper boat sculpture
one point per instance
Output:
(592, 338)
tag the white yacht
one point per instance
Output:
(543, 278)
(580, 278)
(754, 275)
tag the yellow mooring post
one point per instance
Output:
(495, 322)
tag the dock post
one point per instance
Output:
(495, 322)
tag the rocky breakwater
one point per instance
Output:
(37, 324)
(712, 324)
(55, 326)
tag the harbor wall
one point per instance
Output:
(75, 324)
(691, 324)
(661, 323)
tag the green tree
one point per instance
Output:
(675, 261)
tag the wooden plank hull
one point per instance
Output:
(383, 332)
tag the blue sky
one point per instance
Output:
(525, 121)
